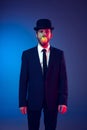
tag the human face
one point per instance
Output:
(44, 36)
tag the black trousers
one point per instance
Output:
(50, 119)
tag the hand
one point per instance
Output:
(62, 109)
(23, 110)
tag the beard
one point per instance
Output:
(43, 44)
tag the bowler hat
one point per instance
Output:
(43, 24)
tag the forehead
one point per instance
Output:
(44, 30)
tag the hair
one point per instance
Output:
(38, 29)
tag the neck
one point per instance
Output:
(44, 45)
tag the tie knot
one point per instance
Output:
(44, 50)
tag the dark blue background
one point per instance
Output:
(17, 19)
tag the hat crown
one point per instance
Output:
(43, 24)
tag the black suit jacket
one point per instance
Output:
(32, 89)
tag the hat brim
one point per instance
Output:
(36, 29)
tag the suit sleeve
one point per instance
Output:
(23, 82)
(63, 86)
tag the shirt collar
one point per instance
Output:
(40, 48)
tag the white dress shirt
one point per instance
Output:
(40, 53)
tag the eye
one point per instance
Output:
(41, 31)
(47, 31)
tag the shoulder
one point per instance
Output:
(30, 50)
(57, 51)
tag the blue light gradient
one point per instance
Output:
(17, 20)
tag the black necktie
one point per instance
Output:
(44, 63)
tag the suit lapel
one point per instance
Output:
(51, 60)
(51, 57)
(37, 61)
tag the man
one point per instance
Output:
(43, 80)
